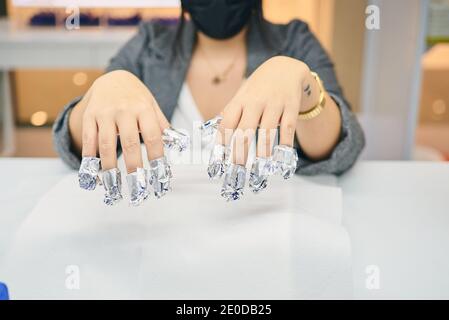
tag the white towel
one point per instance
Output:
(285, 243)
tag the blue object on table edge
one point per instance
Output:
(3, 292)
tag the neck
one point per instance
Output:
(222, 47)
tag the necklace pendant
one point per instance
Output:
(216, 80)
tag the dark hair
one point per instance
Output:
(257, 13)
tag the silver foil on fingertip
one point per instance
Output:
(88, 173)
(112, 183)
(261, 169)
(285, 160)
(138, 186)
(159, 175)
(175, 139)
(218, 161)
(210, 127)
(234, 182)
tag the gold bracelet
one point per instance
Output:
(316, 110)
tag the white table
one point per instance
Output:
(49, 48)
(397, 215)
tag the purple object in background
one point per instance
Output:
(88, 19)
(43, 19)
(130, 21)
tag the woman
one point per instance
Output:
(233, 63)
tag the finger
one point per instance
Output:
(151, 134)
(231, 117)
(288, 122)
(130, 142)
(267, 131)
(107, 143)
(89, 134)
(163, 122)
(245, 133)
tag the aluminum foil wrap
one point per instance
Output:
(137, 186)
(234, 182)
(112, 183)
(210, 127)
(159, 176)
(285, 160)
(261, 169)
(218, 161)
(175, 140)
(88, 173)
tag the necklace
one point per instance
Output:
(219, 77)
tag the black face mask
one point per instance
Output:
(219, 19)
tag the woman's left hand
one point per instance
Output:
(270, 97)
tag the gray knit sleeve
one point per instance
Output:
(303, 45)
(345, 152)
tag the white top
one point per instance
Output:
(186, 113)
(187, 118)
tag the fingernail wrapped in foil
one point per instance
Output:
(210, 127)
(176, 140)
(285, 159)
(159, 176)
(218, 161)
(88, 173)
(112, 183)
(261, 169)
(137, 186)
(234, 182)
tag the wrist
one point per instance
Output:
(310, 91)
(300, 74)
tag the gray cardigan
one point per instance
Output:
(149, 55)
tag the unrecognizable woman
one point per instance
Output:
(221, 59)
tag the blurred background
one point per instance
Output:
(396, 77)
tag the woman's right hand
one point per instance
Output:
(118, 103)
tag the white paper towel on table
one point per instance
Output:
(287, 243)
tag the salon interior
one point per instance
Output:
(394, 72)
(414, 128)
